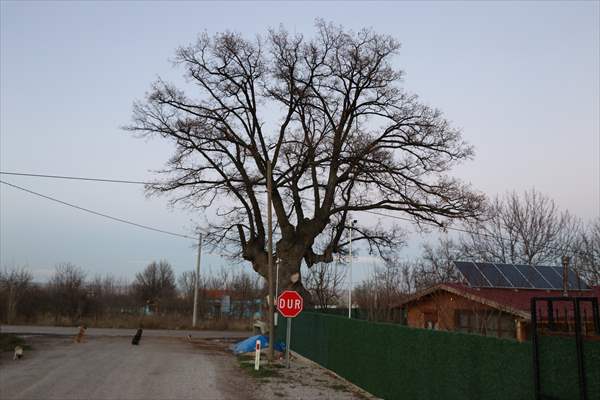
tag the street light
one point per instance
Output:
(350, 280)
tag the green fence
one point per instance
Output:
(398, 362)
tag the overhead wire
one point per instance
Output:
(365, 211)
(96, 212)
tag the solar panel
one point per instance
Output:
(534, 277)
(493, 275)
(576, 283)
(514, 276)
(551, 276)
(471, 274)
(517, 276)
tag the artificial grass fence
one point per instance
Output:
(397, 362)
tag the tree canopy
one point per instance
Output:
(329, 115)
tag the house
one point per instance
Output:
(491, 307)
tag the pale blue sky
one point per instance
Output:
(520, 79)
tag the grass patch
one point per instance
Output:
(266, 371)
(8, 341)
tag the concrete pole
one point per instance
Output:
(196, 281)
(270, 258)
(350, 277)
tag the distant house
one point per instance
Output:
(489, 307)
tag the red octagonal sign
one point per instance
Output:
(290, 304)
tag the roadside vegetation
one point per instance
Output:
(156, 299)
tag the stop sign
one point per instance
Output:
(290, 304)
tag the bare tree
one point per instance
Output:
(527, 228)
(587, 259)
(14, 283)
(329, 115)
(185, 283)
(325, 281)
(67, 288)
(247, 290)
(156, 283)
(384, 289)
(436, 264)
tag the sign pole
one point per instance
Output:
(288, 336)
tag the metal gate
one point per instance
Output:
(549, 321)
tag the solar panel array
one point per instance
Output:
(492, 275)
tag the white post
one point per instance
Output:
(196, 281)
(257, 356)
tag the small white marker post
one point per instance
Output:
(257, 356)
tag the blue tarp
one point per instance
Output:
(249, 344)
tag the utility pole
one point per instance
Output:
(350, 280)
(270, 258)
(196, 281)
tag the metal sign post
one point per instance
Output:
(288, 338)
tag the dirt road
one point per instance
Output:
(111, 368)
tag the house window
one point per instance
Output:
(465, 321)
(485, 323)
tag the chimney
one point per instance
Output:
(565, 263)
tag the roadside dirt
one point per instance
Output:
(303, 380)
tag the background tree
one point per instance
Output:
(325, 283)
(329, 115)
(435, 264)
(587, 255)
(14, 284)
(156, 284)
(526, 228)
(67, 290)
(387, 285)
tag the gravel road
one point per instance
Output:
(109, 367)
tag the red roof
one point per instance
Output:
(515, 301)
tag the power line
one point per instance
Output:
(365, 211)
(96, 212)
(79, 178)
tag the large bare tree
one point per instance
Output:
(340, 133)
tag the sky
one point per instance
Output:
(521, 79)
